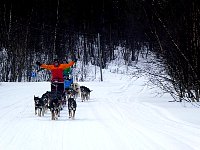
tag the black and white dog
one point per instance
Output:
(85, 93)
(71, 107)
(54, 107)
(70, 93)
(46, 99)
(39, 106)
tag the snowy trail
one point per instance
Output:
(146, 123)
(119, 116)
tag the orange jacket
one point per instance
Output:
(57, 72)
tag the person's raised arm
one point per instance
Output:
(48, 67)
(64, 66)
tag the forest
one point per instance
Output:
(90, 30)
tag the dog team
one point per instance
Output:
(56, 101)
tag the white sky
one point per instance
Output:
(122, 114)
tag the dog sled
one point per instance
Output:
(61, 94)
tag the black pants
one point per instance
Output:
(57, 87)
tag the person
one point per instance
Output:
(68, 79)
(57, 79)
(56, 69)
(66, 72)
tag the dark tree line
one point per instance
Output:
(174, 33)
(44, 29)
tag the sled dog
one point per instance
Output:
(72, 107)
(46, 99)
(39, 106)
(85, 93)
(54, 107)
(76, 88)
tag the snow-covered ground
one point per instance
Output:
(122, 114)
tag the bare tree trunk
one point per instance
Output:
(55, 31)
(100, 57)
